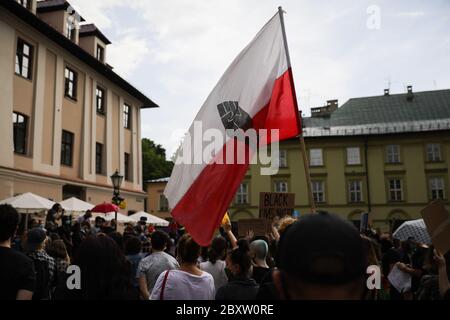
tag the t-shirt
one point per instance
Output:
(153, 265)
(16, 273)
(239, 289)
(181, 285)
(259, 273)
(217, 270)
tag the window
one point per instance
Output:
(283, 159)
(24, 59)
(67, 148)
(163, 203)
(437, 188)
(100, 53)
(395, 190)
(434, 152)
(71, 28)
(281, 186)
(98, 158)
(20, 123)
(315, 157)
(100, 100)
(318, 190)
(126, 116)
(71, 83)
(353, 156)
(127, 166)
(393, 153)
(355, 191)
(242, 194)
(25, 3)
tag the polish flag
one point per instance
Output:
(256, 91)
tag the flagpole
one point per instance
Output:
(302, 139)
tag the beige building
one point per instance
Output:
(157, 203)
(67, 120)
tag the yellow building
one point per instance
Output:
(387, 155)
(74, 120)
(157, 203)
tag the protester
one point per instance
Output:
(104, 269)
(17, 276)
(188, 283)
(215, 265)
(44, 265)
(321, 257)
(65, 232)
(444, 284)
(242, 287)
(133, 247)
(428, 288)
(57, 249)
(259, 251)
(156, 263)
(118, 238)
(85, 218)
(53, 216)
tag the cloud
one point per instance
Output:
(411, 14)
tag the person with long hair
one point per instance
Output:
(188, 283)
(216, 262)
(242, 287)
(105, 273)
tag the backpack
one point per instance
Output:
(42, 284)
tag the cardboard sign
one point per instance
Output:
(259, 226)
(276, 204)
(437, 220)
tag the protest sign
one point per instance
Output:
(437, 220)
(260, 227)
(276, 204)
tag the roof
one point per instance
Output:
(60, 40)
(428, 111)
(87, 30)
(158, 180)
(53, 5)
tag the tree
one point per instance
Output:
(154, 163)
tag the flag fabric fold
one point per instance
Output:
(256, 92)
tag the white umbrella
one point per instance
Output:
(29, 202)
(111, 215)
(415, 229)
(151, 219)
(76, 205)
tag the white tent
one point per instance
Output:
(121, 218)
(77, 206)
(29, 202)
(151, 219)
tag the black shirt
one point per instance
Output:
(259, 273)
(16, 273)
(242, 289)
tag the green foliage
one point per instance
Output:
(154, 163)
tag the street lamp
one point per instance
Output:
(116, 180)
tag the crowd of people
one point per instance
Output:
(318, 256)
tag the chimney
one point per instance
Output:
(386, 92)
(410, 94)
(326, 111)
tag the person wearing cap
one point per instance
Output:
(321, 257)
(17, 277)
(44, 265)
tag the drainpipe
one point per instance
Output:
(369, 202)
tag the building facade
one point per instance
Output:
(74, 120)
(386, 155)
(157, 203)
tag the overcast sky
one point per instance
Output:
(175, 51)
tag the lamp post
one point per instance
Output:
(116, 180)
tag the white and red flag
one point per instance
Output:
(256, 92)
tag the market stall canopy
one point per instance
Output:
(151, 219)
(76, 205)
(29, 202)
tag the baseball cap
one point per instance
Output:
(322, 248)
